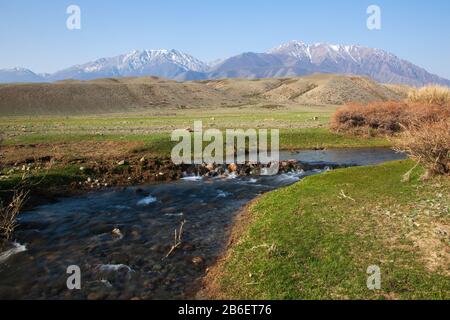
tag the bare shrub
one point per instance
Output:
(10, 211)
(428, 144)
(385, 118)
(8, 214)
(432, 94)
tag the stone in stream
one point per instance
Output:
(232, 167)
(198, 261)
(117, 233)
(210, 167)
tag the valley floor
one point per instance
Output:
(56, 148)
(314, 239)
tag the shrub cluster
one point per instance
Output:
(386, 118)
(428, 144)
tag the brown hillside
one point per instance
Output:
(150, 93)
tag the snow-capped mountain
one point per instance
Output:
(297, 58)
(162, 63)
(294, 58)
(19, 75)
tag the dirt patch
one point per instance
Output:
(424, 226)
(65, 152)
(434, 247)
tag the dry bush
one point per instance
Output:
(428, 144)
(433, 94)
(8, 214)
(385, 118)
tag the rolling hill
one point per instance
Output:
(123, 95)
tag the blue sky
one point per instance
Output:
(33, 33)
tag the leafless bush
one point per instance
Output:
(9, 212)
(428, 144)
(385, 118)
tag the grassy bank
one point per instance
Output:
(159, 144)
(45, 179)
(316, 239)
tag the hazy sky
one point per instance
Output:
(33, 33)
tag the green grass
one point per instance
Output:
(301, 127)
(304, 138)
(300, 117)
(309, 138)
(304, 242)
(44, 180)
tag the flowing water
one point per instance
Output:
(129, 262)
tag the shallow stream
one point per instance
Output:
(129, 262)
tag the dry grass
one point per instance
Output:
(433, 94)
(385, 118)
(8, 214)
(428, 144)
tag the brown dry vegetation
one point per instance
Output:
(385, 118)
(427, 144)
(432, 94)
(9, 212)
(420, 126)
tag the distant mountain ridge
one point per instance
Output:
(19, 75)
(291, 59)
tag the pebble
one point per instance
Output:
(198, 261)
(117, 233)
(232, 167)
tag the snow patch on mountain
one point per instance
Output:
(294, 58)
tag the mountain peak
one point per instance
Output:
(138, 59)
(293, 58)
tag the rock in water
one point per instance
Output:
(198, 261)
(233, 167)
(117, 233)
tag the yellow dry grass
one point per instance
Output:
(432, 94)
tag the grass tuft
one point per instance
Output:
(432, 94)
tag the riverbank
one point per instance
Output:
(67, 164)
(316, 239)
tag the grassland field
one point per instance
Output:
(301, 242)
(113, 137)
(303, 127)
